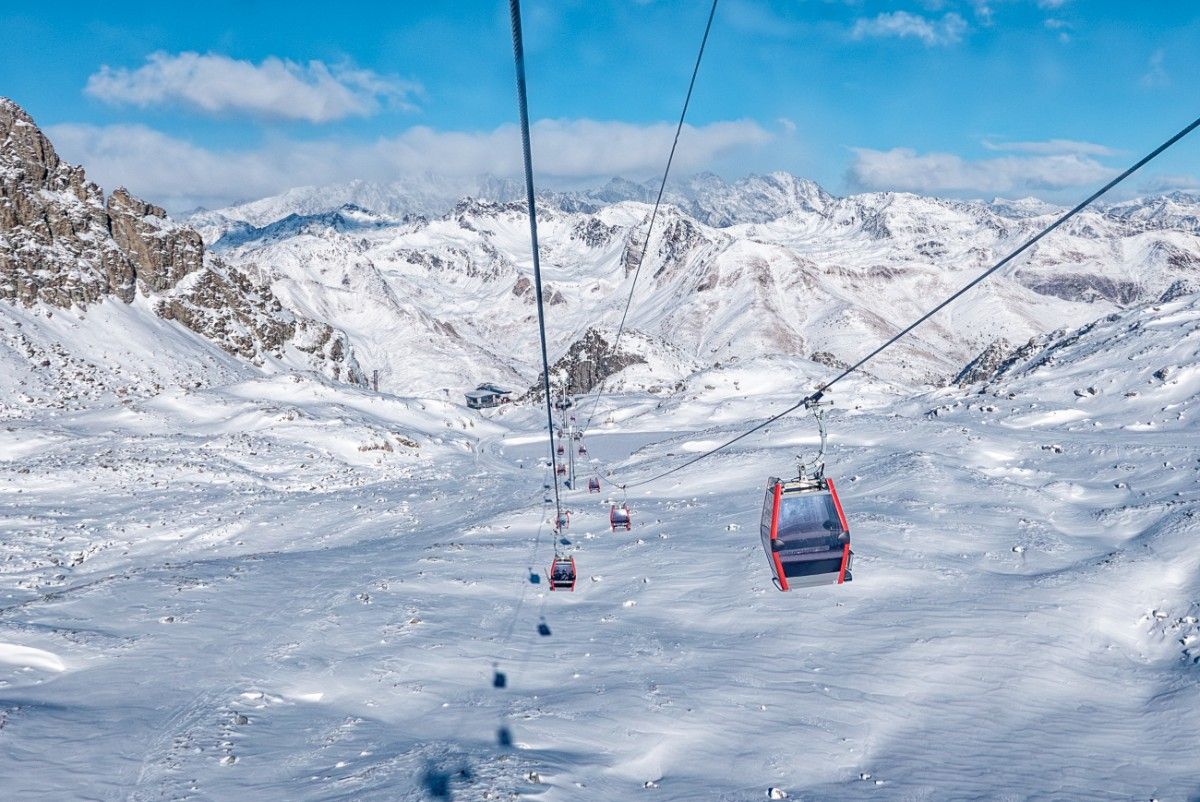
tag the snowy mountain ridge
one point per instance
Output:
(811, 275)
(705, 197)
(765, 266)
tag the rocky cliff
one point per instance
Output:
(63, 244)
(589, 361)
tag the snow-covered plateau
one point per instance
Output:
(230, 569)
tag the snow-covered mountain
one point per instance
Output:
(705, 196)
(780, 267)
(227, 572)
(362, 278)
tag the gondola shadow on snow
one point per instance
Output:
(443, 777)
(438, 782)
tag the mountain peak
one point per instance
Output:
(62, 243)
(24, 148)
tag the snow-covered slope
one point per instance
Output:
(241, 591)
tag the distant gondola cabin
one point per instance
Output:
(486, 396)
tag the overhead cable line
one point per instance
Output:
(514, 7)
(816, 395)
(654, 213)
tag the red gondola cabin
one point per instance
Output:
(593, 485)
(804, 533)
(620, 518)
(562, 573)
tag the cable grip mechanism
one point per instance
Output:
(814, 469)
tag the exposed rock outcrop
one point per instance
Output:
(984, 366)
(1081, 288)
(162, 252)
(589, 361)
(63, 244)
(54, 230)
(995, 361)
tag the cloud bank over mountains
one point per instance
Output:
(181, 174)
(1039, 168)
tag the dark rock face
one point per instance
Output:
(984, 366)
(223, 305)
(523, 288)
(593, 233)
(680, 238)
(162, 253)
(1178, 289)
(829, 360)
(999, 359)
(54, 237)
(589, 361)
(62, 244)
(1082, 287)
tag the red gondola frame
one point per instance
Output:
(613, 523)
(814, 486)
(562, 584)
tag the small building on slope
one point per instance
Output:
(486, 396)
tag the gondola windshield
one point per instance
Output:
(807, 516)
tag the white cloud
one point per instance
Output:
(983, 12)
(1159, 184)
(1062, 26)
(905, 169)
(179, 174)
(1051, 147)
(274, 88)
(1156, 73)
(1052, 4)
(901, 24)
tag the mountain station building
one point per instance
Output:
(488, 395)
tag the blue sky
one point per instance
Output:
(217, 102)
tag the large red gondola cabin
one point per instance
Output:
(805, 534)
(620, 518)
